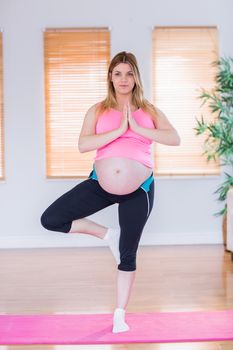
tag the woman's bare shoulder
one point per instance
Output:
(94, 108)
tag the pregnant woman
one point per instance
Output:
(121, 128)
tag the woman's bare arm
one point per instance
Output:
(164, 133)
(88, 140)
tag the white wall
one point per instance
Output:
(184, 206)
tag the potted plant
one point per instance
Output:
(219, 132)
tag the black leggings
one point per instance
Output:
(88, 197)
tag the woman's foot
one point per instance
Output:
(113, 237)
(119, 324)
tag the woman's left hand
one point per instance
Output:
(132, 122)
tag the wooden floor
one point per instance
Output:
(83, 280)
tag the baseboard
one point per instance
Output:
(54, 240)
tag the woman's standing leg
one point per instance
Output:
(133, 215)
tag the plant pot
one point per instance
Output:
(224, 230)
(229, 221)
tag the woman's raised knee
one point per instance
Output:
(51, 223)
(46, 221)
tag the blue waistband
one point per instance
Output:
(145, 185)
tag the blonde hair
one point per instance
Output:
(137, 93)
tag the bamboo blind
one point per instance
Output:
(76, 62)
(182, 64)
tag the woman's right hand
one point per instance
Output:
(124, 121)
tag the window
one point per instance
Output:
(2, 166)
(182, 64)
(76, 62)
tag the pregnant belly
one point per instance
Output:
(121, 175)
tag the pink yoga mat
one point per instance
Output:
(157, 327)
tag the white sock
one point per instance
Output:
(119, 324)
(112, 237)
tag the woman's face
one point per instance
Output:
(122, 78)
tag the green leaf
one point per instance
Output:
(218, 143)
(222, 212)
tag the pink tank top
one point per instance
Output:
(128, 145)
